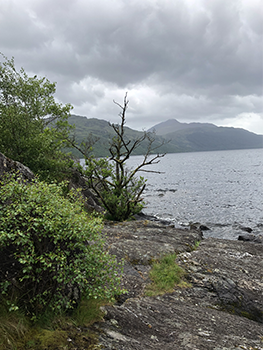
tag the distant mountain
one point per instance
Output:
(182, 137)
(192, 137)
(101, 129)
(173, 125)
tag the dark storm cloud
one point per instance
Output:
(192, 60)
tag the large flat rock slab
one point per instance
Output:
(222, 310)
(167, 323)
(227, 275)
(139, 242)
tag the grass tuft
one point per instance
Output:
(165, 275)
(89, 312)
(51, 331)
(13, 326)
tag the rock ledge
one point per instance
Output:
(223, 308)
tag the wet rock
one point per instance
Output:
(170, 323)
(231, 275)
(251, 238)
(247, 229)
(142, 216)
(204, 228)
(198, 226)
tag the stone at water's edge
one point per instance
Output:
(222, 310)
(251, 238)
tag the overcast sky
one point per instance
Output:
(192, 60)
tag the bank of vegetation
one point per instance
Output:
(54, 269)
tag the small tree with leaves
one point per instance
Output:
(33, 126)
(117, 186)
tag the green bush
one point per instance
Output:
(119, 191)
(33, 126)
(50, 250)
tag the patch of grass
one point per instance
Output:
(89, 312)
(165, 275)
(13, 326)
(51, 332)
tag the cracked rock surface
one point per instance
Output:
(222, 310)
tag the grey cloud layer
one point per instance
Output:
(188, 59)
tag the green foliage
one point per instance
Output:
(119, 192)
(197, 243)
(18, 333)
(33, 126)
(165, 274)
(103, 131)
(50, 250)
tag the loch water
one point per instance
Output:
(222, 190)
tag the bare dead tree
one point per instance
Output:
(118, 187)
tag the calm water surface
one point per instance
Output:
(222, 190)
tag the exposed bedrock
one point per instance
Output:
(221, 310)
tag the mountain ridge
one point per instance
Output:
(162, 127)
(171, 135)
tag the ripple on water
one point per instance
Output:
(219, 189)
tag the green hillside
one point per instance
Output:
(207, 138)
(182, 137)
(104, 132)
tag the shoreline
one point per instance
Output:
(246, 233)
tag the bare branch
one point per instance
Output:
(85, 147)
(152, 171)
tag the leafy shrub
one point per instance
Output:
(119, 194)
(50, 250)
(33, 126)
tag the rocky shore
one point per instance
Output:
(221, 310)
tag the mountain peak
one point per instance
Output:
(167, 126)
(173, 125)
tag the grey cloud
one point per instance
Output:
(187, 60)
(17, 29)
